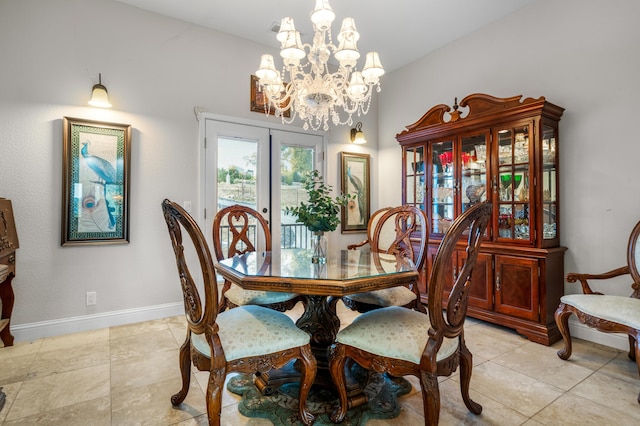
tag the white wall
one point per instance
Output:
(156, 70)
(579, 54)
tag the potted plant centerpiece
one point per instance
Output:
(319, 214)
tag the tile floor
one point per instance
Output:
(125, 375)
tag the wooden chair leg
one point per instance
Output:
(466, 367)
(430, 397)
(337, 360)
(632, 348)
(215, 389)
(562, 321)
(306, 380)
(636, 352)
(185, 371)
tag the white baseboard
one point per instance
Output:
(38, 330)
(613, 340)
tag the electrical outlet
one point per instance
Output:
(187, 206)
(91, 298)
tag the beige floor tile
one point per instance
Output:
(138, 328)
(10, 392)
(136, 345)
(71, 358)
(621, 367)
(85, 338)
(617, 394)
(488, 342)
(16, 368)
(513, 389)
(20, 349)
(144, 370)
(96, 412)
(541, 363)
(577, 411)
(60, 390)
(588, 354)
(151, 404)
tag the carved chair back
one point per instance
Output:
(238, 230)
(396, 228)
(472, 224)
(199, 313)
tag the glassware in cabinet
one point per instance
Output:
(513, 188)
(442, 187)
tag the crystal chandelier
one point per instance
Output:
(309, 89)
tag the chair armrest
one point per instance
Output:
(573, 277)
(355, 246)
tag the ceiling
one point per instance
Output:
(401, 30)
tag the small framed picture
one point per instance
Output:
(355, 182)
(95, 180)
(259, 102)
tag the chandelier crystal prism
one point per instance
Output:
(307, 88)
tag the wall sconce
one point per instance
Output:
(357, 135)
(99, 95)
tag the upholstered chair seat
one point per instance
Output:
(396, 296)
(238, 296)
(619, 309)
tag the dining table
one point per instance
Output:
(321, 286)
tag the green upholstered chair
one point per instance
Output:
(238, 230)
(399, 230)
(606, 313)
(402, 341)
(247, 339)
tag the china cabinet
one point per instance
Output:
(504, 150)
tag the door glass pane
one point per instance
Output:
(474, 172)
(513, 183)
(549, 182)
(236, 183)
(442, 179)
(295, 162)
(237, 160)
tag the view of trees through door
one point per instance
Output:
(263, 169)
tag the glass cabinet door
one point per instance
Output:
(514, 153)
(549, 183)
(443, 184)
(415, 177)
(473, 155)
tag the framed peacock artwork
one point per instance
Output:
(355, 182)
(95, 180)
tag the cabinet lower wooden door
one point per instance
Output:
(516, 287)
(481, 292)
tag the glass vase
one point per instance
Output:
(319, 247)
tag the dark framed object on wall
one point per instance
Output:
(355, 182)
(95, 182)
(259, 102)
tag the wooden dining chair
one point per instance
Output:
(402, 341)
(238, 230)
(399, 230)
(247, 339)
(605, 312)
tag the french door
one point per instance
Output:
(261, 168)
